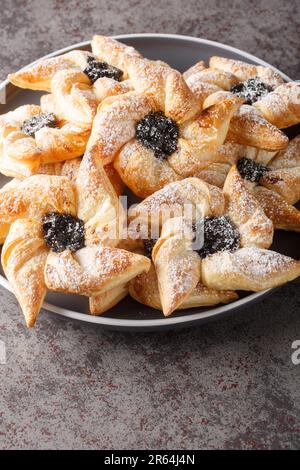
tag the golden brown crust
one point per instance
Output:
(113, 52)
(249, 127)
(198, 67)
(244, 210)
(177, 265)
(115, 179)
(144, 289)
(202, 137)
(283, 215)
(97, 202)
(173, 200)
(282, 106)
(101, 303)
(250, 269)
(40, 74)
(35, 196)
(92, 270)
(115, 123)
(23, 259)
(141, 171)
(289, 157)
(207, 81)
(21, 155)
(243, 71)
(165, 86)
(285, 182)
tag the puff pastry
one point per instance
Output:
(144, 289)
(171, 201)
(282, 106)
(105, 301)
(114, 138)
(30, 263)
(249, 127)
(176, 259)
(243, 71)
(250, 269)
(22, 152)
(40, 74)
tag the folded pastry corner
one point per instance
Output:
(92, 271)
(255, 228)
(101, 303)
(23, 258)
(177, 265)
(144, 289)
(250, 269)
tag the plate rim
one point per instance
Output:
(185, 319)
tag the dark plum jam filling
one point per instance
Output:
(251, 90)
(251, 170)
(95, 70)
(63, 232)
(148, 247)
(158, 133)
(220, 234)
(34, 124)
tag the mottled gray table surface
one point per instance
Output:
(228, 384)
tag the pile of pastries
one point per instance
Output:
(209, 140)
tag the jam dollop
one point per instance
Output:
(158, 133)
(63, 232)
(251, 90)
(251, 170)
(35, 123)
(220, 234)
(148, 246)
(96, 69)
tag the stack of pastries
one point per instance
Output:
(210, 141)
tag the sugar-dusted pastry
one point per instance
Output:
(244, 71)
(144, 289)
(149, 148)
(283, 215)
(70, 169)
(281, 107)
(206, 81)
(106, 60)
(249, 127)
(232, 254)
(189, 198)
(250, 269)
(255, 228)
(30, 137)
(116, 53)
(226, 222)
(105, 301)
(177, 266)
(265, 89)
(276, 184)
(63, 237)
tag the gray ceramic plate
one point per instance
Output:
(180, 52)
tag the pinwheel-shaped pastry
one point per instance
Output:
(31, 136)
(80, 80)
(263, 88)
(248, 126)
(152, 141)
(273, 177)
(111, 63)
(276, 185)
(235, 231)
(63, 236)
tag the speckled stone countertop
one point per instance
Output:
(228, 384)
